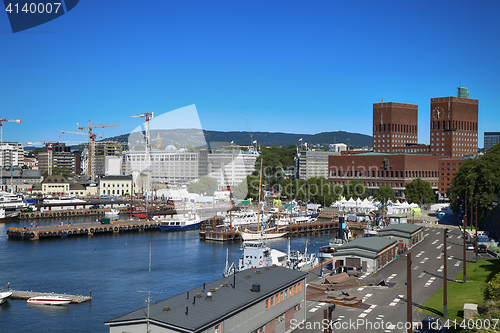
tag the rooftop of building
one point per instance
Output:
(55, 179)
(228, 297)
(374, 244)
(406, 228)
(129, 177)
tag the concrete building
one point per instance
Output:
(105, 150)
(406, 235)
(20, 152)
(115, 185)
(169, 166)
(491, 139)
(56, 155)
(337, 147)
(369, 253)
(254, 300)
(312, 163)
(112, 166)
(231, 165)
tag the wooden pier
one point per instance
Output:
(25, 295)
(291, 229)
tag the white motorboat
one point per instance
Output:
(112, 212)
(4, 296)
(49, 300)
(180, 222)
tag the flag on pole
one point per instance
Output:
(254, 141)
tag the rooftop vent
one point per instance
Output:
(267, 267)
(224, 284)
(257, 272)
(256, 287)
(209, 295)
(198, 295)
(212, 290)
(166, 308)
(248, 276)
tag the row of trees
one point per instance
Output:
(478, 182)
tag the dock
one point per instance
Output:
(291, 229)
(25, 295)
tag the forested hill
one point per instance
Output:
(285, 139)
(194, 137)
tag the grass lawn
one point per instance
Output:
(460, 293)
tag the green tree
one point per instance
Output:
(478, 180)
(204, 186)
(319, 190)
(63, 171)
(419, 191)
(355, 189)
(384, 193)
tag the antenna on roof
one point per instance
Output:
(149, 300)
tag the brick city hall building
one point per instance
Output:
(397, 158)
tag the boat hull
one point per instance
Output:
(49, 300)
(248, 236)
(164, 227)
(5, 296)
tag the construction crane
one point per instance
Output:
(92, 137)
(148, 116)
(2, 120)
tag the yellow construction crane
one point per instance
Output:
(92, 136)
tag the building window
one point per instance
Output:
(217, 329)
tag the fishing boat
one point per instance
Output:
(181, 222)
(4, 296)
(49, 300)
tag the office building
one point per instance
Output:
(491, 139)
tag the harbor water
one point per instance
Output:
(114, 268)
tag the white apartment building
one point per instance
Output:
(230, 165)
(169, 166)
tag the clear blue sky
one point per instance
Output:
(274, 65)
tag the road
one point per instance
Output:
(385, 308)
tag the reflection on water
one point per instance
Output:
(113, 267)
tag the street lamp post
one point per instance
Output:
(445, 278)
(408, 292)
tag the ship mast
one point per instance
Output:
(260, 189)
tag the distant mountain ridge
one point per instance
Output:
(192, 137)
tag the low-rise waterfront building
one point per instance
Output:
(369, 253)
(255, 300)
(406, 235)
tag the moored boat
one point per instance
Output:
(181, 222)
(268, 234)
(112, 212)
(4, 296)
(49, 300)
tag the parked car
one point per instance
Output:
(482, 248)
(470, 246)
(353, 271)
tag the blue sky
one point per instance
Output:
(275, 65)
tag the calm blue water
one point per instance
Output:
(115, 268)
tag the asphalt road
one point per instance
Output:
(386, 307)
